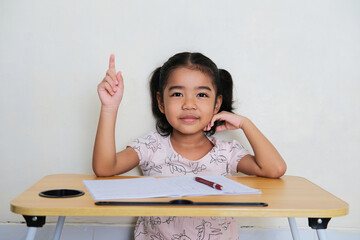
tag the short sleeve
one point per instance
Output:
(237, 152)
(145, 146)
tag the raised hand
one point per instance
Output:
(111, 88)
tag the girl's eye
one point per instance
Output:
(177, 94)
(202, 95)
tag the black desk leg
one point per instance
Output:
(320, 225)
(33, 222)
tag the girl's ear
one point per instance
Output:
(218, 104)
(160, 103)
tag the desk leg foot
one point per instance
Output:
(35, 221)
(293, 228)
(320, 224)
(59, 227)
(30, 235)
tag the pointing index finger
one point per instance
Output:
(112, 62)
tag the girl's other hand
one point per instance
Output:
(111, 88)
(232, 121)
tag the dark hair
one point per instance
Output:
(222, 82)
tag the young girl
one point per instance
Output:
(191, 99)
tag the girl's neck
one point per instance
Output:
(192, 147)
(188, 140)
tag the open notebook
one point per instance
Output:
(148, 187)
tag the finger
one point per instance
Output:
(109, 89)
(220, 128)
(105, 87)
(215, 118)
(112, 62)
(112, 75)
(210, 124)
(110, 81)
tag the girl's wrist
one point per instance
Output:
(109, 109)
(244, 123)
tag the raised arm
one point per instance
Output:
(106, 162)
(266, 162)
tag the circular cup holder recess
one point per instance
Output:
(181, 202)
(61, 193)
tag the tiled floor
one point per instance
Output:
(101, 232)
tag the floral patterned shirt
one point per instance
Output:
(158, 158)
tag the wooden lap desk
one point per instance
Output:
(288, 197)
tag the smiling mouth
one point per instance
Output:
(189, 119)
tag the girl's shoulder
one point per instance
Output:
(152, 137)
(148, 144)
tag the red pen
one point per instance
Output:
(209, 183)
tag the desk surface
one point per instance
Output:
(288, 196)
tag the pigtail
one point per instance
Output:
(226, 90)
(162, 125)
(154, 88)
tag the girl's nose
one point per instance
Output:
(189, 103)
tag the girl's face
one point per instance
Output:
(189, 100)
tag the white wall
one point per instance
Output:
(295, 65)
